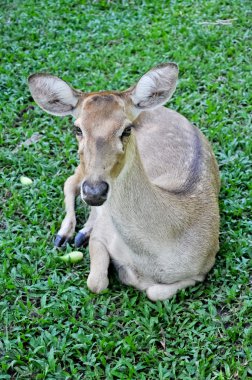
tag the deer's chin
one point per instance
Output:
(94, 201)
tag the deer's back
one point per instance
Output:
(176, 155)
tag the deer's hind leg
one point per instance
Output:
(160, 292)
(99, 262)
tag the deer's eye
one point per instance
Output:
(127, 131)
(77, 131)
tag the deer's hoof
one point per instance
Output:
(97, 283)
(60, 241)
(81, 240)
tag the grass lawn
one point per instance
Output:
(51, 326)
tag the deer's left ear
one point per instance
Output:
(155, 87)
(53, 94)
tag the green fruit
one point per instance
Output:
(72, 257)
(26, 180)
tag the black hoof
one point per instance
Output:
(60, 241)
(81, 240)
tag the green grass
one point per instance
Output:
(52, 327)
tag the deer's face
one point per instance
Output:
(103, 133)
(103, 122)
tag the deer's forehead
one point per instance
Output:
(102, 114)
(102, 102)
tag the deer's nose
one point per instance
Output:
(95, 194)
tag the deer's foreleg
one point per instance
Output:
(82, 237)
(71, 190)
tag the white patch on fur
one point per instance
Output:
(53, 94)
(156, 86)
(67, 227)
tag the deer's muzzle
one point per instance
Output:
(94, 194)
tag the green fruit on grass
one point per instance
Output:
(26, 180)
(72, 257)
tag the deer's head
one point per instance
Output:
(104, 122)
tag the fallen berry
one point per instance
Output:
(26, 181)
(72, 257)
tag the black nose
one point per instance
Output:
(95, 194)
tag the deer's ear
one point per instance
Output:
(155, 87)
(53, 94)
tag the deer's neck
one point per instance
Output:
(136, 203)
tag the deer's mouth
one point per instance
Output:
(94, 201)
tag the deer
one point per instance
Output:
(150, 177)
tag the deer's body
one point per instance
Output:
(144, 225)
(159, 224)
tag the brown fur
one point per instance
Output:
(160, 223)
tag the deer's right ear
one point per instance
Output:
(53, 94)
(155, 87)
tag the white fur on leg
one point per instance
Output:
(97, 282)
(99, 263)
(161, 292)
(86, 231)
(88, 226)
(67, 227)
